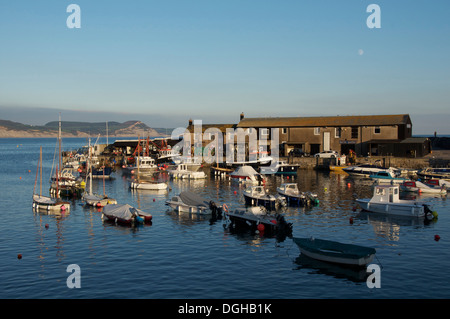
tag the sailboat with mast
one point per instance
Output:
(47, 204)
(89, 197)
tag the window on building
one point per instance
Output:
(377, 130)
(264, 132)
(354, 132)
(337, 132)
(317, 131)
(284, 130)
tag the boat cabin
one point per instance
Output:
(386, 194)
(289, 188)
(256, 191)
(146, 161)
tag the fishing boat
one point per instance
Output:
(247, 174)
(335, 252)
(43, 203)
(188, 202)
(257, 196)
(280, 168)
(431, 172)
(146, 165)
(183, 171)
(364, 170)
(387, 177)
(257, 218)
(386, 200)
(294, 197)
(419, 187)
(140, 183)
(125, 214)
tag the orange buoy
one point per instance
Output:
(19, 256)
(261, 227)
(437, 237)
(46, 226)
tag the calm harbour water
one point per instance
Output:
(190, 257)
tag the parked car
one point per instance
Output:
(297, 152)
(327, 154)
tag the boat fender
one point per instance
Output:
(261, 227)
(63, 208)
(225, 207)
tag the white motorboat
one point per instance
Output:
(280, 168)
(364, 170)
(183, 171)
(150, 185)
(431, 172)
(294, 197)
(145, 164)
(188, 202)
(257, 196)
(419, 187)
(247, 174)
(386, 200)
(387, 177)
(438, 183)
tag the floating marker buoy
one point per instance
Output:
(29, 171)
(154, 200)
(20, 177)
(437, 237)
(235, 192)
(46, 226)
(19, 256)
(325, 189)
(351, 220)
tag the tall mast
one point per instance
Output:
(59, 140)
(40, 164)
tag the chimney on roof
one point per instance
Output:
(190, 122)
(242, 116)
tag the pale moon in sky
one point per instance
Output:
(360, 52)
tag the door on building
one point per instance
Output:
(326, 141)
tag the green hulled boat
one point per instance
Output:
(335, 252)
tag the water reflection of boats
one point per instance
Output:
(335, 270)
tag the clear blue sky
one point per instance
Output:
(167, 61)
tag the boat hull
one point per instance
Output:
(48, 204)
(148, 185)
(413, 210)
(269, 202)
(335, 252)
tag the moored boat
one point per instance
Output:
(387, 177)
(258, 218)
(419, 187)
(247, 174)
(431, 173)
(335, 252)
(364, 170)
(257, 196)
(294, 197)
(188, 202)
(280, 168)
(386, 200)
(125, 214)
